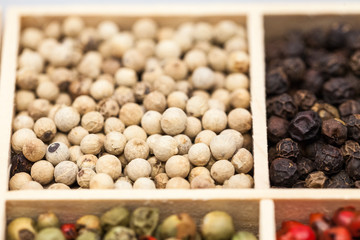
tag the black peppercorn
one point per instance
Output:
(272, 154)
(316, 180)
(283, 172)
(353, 169)
(274, 49)
(304, 166)
(334, 131)
(299, 184)
(294, 68)
(349, 107)
(294, 45)
(334, 64)
(354, 63)
(304, 99)
(353, 39)
(337, 35)
(305, 126)
(329, 159)
(277, 128)
(311, 149)
(340, 180)
(338, 90)
(313, 81)
(282, 105)
(19, 164)
(357, 184)
(325, 111)
(276, 82)
(287, 148)
(353, 124)
(315, 58)
(316, 38)
(350, 150)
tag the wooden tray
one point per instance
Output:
(258, 210)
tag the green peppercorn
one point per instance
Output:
(117, 216)
(243, 235)
(217, 225)
(47, 220)
(87, 235)
(180, 226)
(120, 233)
(51, 233)
(144, 221)
(21, 228)
(88, 222)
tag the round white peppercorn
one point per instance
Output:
(236, 80)
(224, 30)
(48, 90)
(177, 166)
(106, 29)
(167, 49)
(134, 131)
(240, 119)
(77, 134)
(165, 33)
(87, 161)
(75, 153)
(31, 37)
(177, 99)
(45, 129)
(101, 89)
(203, 78)
(84, 104)
(90, 64)
(222, 147)
(108, 108)
(239, 181)
(178, 183)
(119, 43)
(184, 86)
(110, 66)
(20, 137)
(199, 154)
(217, 58)
(243, 161)
(205, 136)
(101, 181)
(124, 95)
(136, 148)
(141, 89)
(122, 185)
(84, 176)
(152, 141)
(91, 144)
(196, 106)
(146, 47)
(22, 121)
(151, 75)
(176, 69)
(144, 183)
(18, 180)
(138, 168)
(114, 143)
(238, 61)
(42, 172)
(185, 42)
(150, 122)
(58, 186)
(165, 147)
(34, 150)
(216, 104)
(201, 93)
(222, 170)
(53, 29)
(155, 101)
(65, 172)
(214, 120)
(39, 108)
(195, 58)
(23, 99)
(31, 185)
(134, 59)
(202, 181)
(57, 152)
(72, 26)
(223, 96)
(110, 165)
(126, 77)
(203, 31)
(219, 80)
(93, 122)
(184, 143)
(66, 118)
(236, 43)
(240, 98)
(161, 180)
(173, 121)
(236, 136)
(61, 137)
(131, 114)
(164, 84)
(197, 171)
(144, 28)
(113, 124)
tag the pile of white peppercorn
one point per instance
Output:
(147, 107)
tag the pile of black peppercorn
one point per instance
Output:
(313, 108)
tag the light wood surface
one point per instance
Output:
(258, 210)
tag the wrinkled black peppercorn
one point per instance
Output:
(349, 107)
(350, 150)
(313, 81)
(304, 126)
(277, 128)
(19, 164)
(329, 159)
(283, 172)
(338, 90)
(354, 63)
(294, 68)
(337, 35)
(353, 124)
(282, 106)
(340, 180)
(353, 169)
(334, 64)
(287, 148)
(304, 166)
(276, 82)
(334, 131)
(304, 99)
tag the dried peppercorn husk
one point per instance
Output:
(316, 180)
(117, 216)
(144, 221)
(19, 164)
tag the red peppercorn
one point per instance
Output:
(336, 233)
(344, 216)
(296, 231)
(147, 238)
(69, 231)
(319, 223)
(354, 226)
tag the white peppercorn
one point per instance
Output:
(214, 120)
(216, 104)
(183, 40)
(236, 136)
(136, 148)
(203, 78)
(90, 64)
(134, 59)
(165, 33)
(107, 29)
(110, 165)
(87, 161)
(151, 142)
(176, 69)
(240, 98)
(150, 122)
(202, 181)
(101, 89)
(164, 84)
(22, 121)
(42, 172)
(58, 186)
(113, 124)
(66, 118)
(197, 171)
(238, 61)
(165, 147)
(196, 106)
(205, 136)
(203, 31)
(65, 172)
(18, 180)
(201, 93)
(20, 138)
(126, 77)
(222, 147)
(184, 86)
(84, 104)
(77, 134)
(34, 150)
(114, 143)
(240, 119)
(93, 122)
(151, 75)
(23, 99)
(195, 58)
(131, 114)
(239, 181)
(223, 96)
(72, 26)
(101, 181)
(122, 185)
(199, 154)
(177, 166)
(177, 99)
(219, 80)
(48, 90)
(108, 108)
(84, 176)
(236, 80)
(167, 49)
(155, 101)
(124, 95)
(184, 143)
(243, 161)
(146, 47)
(173, 121)
(144, 183)
(32, 185)
(75, 153)
(91, 144)
(45, 129)
(222, 170)
(144, 28)
(217, 59)
(157, 166)
(64, 99)
(178, 183)
(61, 137)
(30, 37)
(110, 66)
(138, 168)
(57, 152)
(224, 30)
(161, 180)
(236, 43)
(39, 108)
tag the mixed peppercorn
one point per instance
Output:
(313, 109)
(344, 225)
(119, 223)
